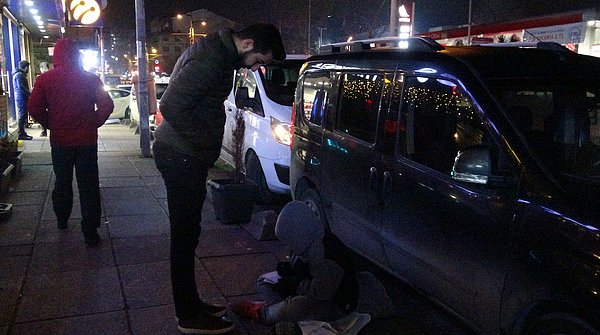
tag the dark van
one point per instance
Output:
(471, 173)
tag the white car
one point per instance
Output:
(160, 88)
(266, 97)
(121, 100)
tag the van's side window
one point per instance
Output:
(358, 106)
(315, 97)
(440, 120)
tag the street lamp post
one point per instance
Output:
(308, 32)
(470, 23)
(192, 33)
(321, 37)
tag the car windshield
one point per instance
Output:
(560, 120)
(280, 80)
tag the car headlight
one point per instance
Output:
(281, 131)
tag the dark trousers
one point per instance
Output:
(22, 114)
(85, 161)
(185, 180)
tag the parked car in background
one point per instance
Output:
(266, 97)
(126, 87)
(121, 101)
(160, 88)
(111, 81)
(472, 173)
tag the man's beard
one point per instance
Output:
(241, 61)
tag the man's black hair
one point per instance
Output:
(266, 39)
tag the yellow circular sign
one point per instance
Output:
(85, 11)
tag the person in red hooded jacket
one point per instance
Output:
(64, 100)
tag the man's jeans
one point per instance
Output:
(22, 113)
(85, 161)
(185, 180)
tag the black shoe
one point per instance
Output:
(214, 310)
(91, 238)
(25, 137)
(205, 324)
(62, 225)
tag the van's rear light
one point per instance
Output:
(292, 118)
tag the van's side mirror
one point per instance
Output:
(243, 101)
(473, 165)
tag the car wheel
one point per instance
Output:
(127, 113)
(560, 324)
(313, 199)
(255, 174)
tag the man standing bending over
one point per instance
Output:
(188, 143)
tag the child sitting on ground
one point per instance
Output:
(311, 286)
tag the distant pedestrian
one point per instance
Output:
(43, 69)
(188, 142)
(64, 100)
(21, 88)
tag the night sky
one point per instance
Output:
(429, 13)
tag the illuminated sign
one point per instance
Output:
(85, 13)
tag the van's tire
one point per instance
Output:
(313, 199)
(254, 173)
(127, 113)
(560, 324)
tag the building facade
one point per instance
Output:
(578, 31)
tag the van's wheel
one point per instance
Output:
(313, 199)
(127, 113)
(254, 173)
(560, 324)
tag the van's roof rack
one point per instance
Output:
(414, 43)
(538, 45)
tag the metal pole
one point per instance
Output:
(394, 18)
(469, 24)
(102, 60)
(308, 49)
(144, 126)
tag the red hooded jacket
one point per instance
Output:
(65, 98)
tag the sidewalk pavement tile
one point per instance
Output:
(237, 274)
(110, 323)
(15, 260)
(139, 225)
(20, 228)
(9, 295)
(71, 293)
(48, 232)
(129, 201)
(70, 255)
(232, 241)
(141, 249)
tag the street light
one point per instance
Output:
(191, 32)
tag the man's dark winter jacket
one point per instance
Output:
(63, 100)
(192, 105)
(20, 82)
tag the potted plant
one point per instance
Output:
(233, 198)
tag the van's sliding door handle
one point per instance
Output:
(373, 179)
(386, 191)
